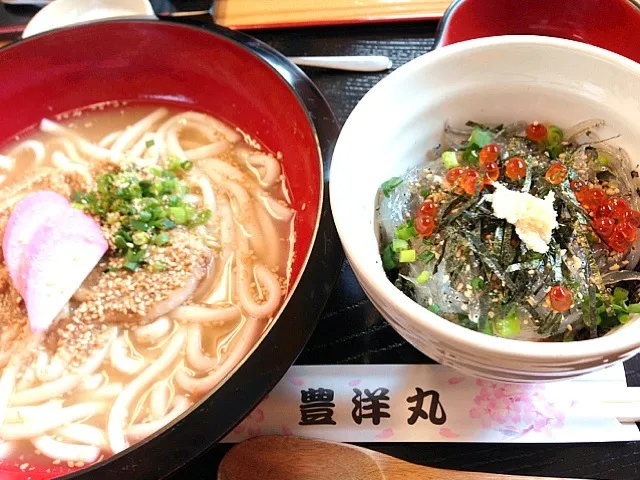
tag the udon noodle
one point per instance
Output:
(99, 380)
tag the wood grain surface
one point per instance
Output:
(250, 13)
(295, 458)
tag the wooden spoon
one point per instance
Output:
(294, 458)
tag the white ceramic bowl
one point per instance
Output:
(491, 80)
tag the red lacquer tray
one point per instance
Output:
(610, 24)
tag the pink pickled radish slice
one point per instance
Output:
(28, 215)
(61, 255)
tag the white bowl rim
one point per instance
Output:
(545, 352)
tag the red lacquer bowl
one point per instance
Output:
(237, 79)
(610, 24)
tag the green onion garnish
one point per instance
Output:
(554, 135)
(450, 160)
(480, 137)
(423, 277)
(159, 267)
(634, 308)
(149, 143)
(389, 185)
(620, 294)
(426, 256)
(509, 325)
(406, 231)
(388, 261)
(398, 245)
(407, 256)
(434, 308)
(161, 239)
(603, 159)
(477, 283)
(145, 209)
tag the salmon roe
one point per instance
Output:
(613, 219)
(515, 168)
(617, 242)
(556, 173)
(604, 226)
(632, 217)
(469, 181)
(425, 218)
(604, 210)
(427, 208)
(628, 231)
(424, 225)
(594, 197)
(536, 132)
(560, 298)
(489, 154)
(453, 175)
(492, 173)
(619, 207)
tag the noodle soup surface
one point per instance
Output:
(197, 224)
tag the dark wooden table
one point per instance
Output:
(352, 331)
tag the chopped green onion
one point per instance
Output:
(555, 151)
(113, 217)
(389, 185)
(406, 231)
(145, 216)
(388, 261)
(434, 308)
(480, 137)
(120, 242)
(620, 294)
(450, 160)
(426, 256)
(603, 159)
(470, 155)
(488, 328)
(554, 135)
(140, 238)
(509, 325)
(175, 164)
(425, 192)
(141, 209)
(149, 143)
(159, 267)
(398, 245)
(139, 225)
(423, 277)
(477, 283)
(161, 239)
(166, 224)
(634, 308)
(178, 215)
(407, 256)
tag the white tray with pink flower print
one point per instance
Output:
(433, 403)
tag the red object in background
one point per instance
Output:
(609, 24)
(162, 63)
